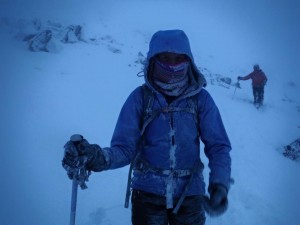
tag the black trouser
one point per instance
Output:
(150, 209)
(258, 93)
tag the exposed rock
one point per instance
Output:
(73, 34)
(40, 41)
(292, 151)
(140, 58)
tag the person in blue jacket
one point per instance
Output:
(160, 135)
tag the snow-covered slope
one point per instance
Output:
(46, 97)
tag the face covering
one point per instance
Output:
(171, 80)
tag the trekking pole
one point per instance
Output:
(79, 177)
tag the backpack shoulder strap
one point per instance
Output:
(148, 114)
(193, 105)
(148, 98)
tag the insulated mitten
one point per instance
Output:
(217, 203)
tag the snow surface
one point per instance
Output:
(46, 97)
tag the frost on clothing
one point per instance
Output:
(159, 150)
(170, 144)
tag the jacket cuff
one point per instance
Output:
(213, 186)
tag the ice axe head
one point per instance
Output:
(237, 85)
(75, 138)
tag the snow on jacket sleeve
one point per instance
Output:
(126, 135)
(215, 139)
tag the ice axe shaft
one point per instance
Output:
(73, 201)
(75, 139)
(234, 93)
(237, 85)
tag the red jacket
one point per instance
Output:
(258, 78)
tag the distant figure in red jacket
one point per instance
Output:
(259, 80)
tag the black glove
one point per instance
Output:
(217, 204)
(79, 154)
(239, 78)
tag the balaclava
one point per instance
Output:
(171, 80)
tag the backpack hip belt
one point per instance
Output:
(144, 167)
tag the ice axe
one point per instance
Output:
(80, 175)
(237, 85)
(73, 201)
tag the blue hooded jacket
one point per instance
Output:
(171, 142)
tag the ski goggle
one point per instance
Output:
(171, 59)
